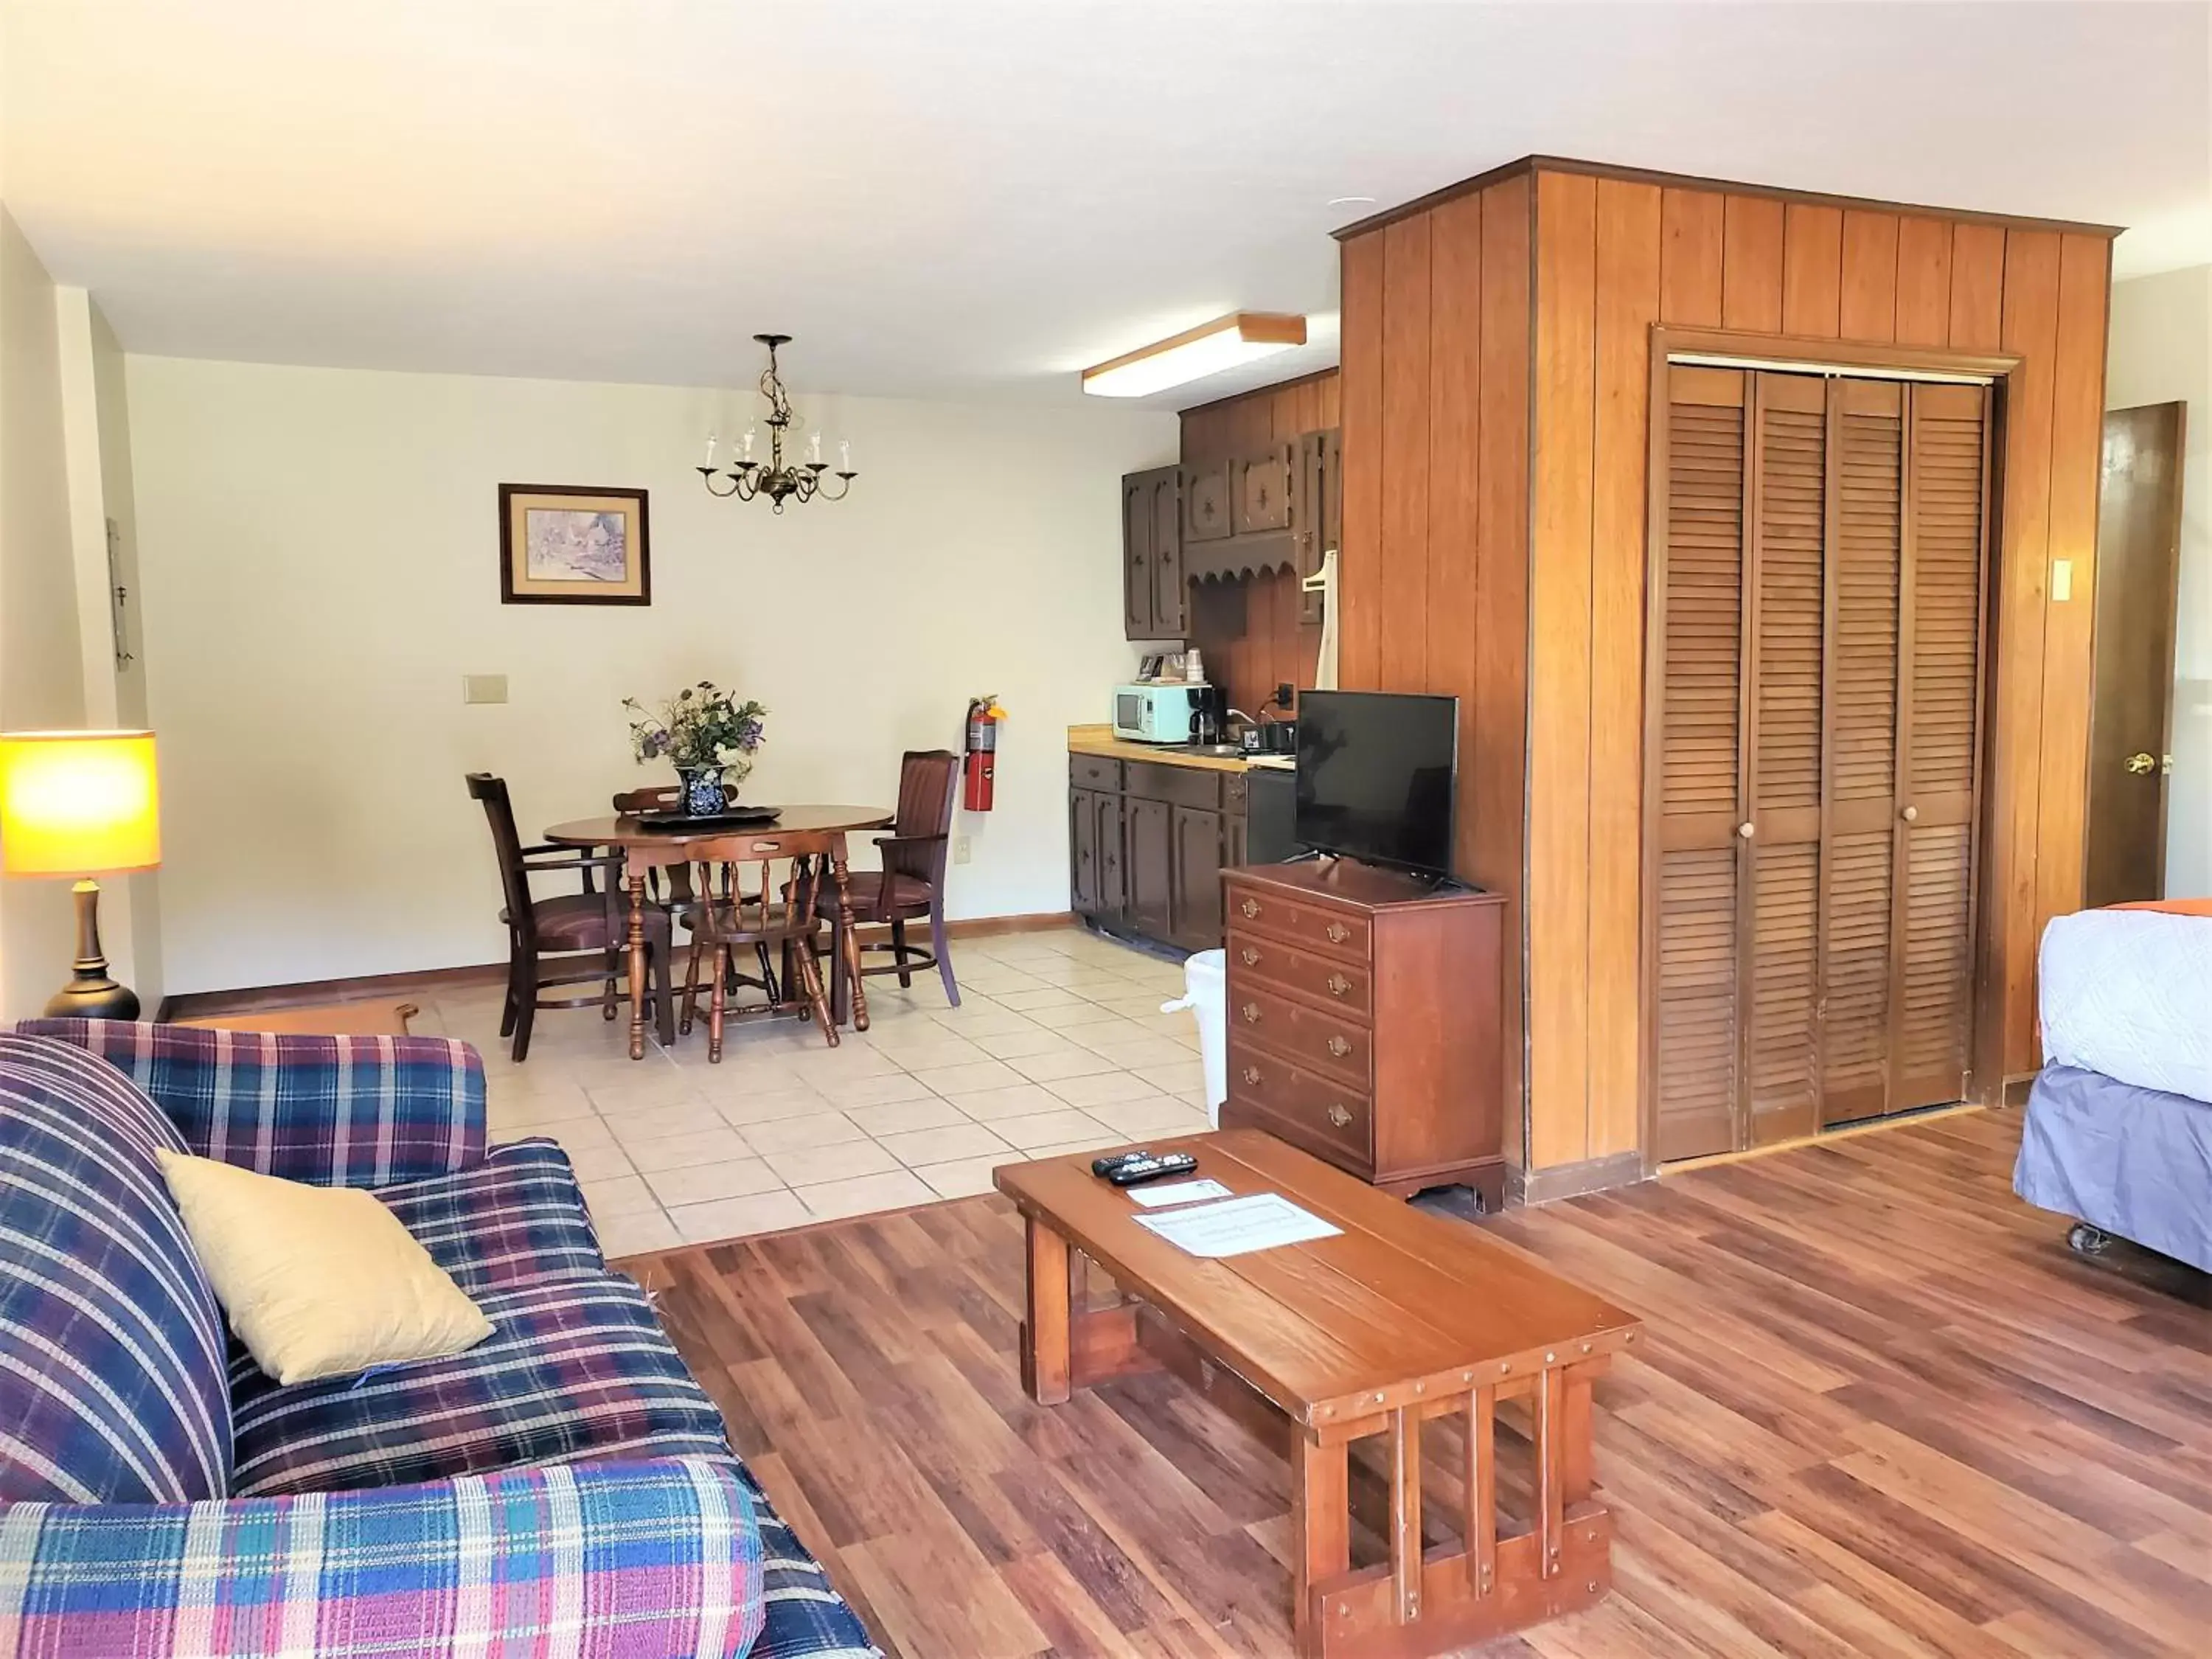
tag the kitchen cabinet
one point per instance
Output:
(1264, 486)
(1147, 842)
(1207, 514)
(1154, 605)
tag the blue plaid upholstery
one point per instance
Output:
(111, 1342)
(574, 1368)
(516, 1216)
(806, 1616)
(604, 1561)
(340, 1111)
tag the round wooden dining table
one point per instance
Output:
(811, 830)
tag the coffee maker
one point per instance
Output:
(1209, 714)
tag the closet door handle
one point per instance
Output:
(1910, 815)
(1745, 830)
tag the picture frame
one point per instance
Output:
(574, 544)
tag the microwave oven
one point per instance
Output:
(1156, 714)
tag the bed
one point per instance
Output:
(2118, 1132)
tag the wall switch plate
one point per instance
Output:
(483, 688)
(961, 849)
(2062, 580)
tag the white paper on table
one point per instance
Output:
(1177, 1192)
(1237, 1226)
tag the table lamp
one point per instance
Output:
(81, 804)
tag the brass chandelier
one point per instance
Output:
(749, 479)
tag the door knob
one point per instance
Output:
(1910, 815)
(1745, 830)
(2141, 765)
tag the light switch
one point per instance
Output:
(2062, 580)
(483, 688)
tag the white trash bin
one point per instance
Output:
(1205, 993)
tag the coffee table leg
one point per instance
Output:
(1045, 1332)
(1321, 1532)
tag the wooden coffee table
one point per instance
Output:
(1401, 1317)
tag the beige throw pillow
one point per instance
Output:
(318, 1281)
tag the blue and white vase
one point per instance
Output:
(702, 790)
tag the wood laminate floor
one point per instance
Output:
(1881, 1410)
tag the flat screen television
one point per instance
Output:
(1374, 777)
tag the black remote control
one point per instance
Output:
(1140, 1167)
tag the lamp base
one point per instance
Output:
(96, 997)
(91, 994)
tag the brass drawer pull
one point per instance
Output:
(1252, 1075)
(1339, 1047)
(1338, 985)
(1337, 932)
(1249, 954)
(1339, 1116)
(1251, 1012)
(1250, 907)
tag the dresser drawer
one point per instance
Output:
(1318, 1040)
(1094, 772)
(1345, 986)
(1311, 1108)
(1344, 934)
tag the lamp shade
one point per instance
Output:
(78, 803)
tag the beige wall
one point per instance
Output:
(320, 562)
(41, 681)
(2161, 352)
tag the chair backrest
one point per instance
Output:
(928, 790)
(506, 847)
(722, 864)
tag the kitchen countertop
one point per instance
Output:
(1100, 740)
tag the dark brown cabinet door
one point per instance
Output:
(1083, 851)
(1148, 866)
(1107, 837)
(1206, 515)
(1263, 490)
(1152, 605)
(1170, 596)
(1196, 888)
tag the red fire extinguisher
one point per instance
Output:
(983, 717)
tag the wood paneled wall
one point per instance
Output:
(1434, 576)
(1248, 628)
(1527, 394)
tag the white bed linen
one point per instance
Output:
(2128, 993)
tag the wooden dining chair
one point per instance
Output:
(773, 916)
(586, 934)
(911, 886)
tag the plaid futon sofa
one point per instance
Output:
(565, 1487)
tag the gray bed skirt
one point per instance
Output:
(2134, 1161)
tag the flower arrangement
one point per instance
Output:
(701, 728)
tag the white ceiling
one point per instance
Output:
(961, 198)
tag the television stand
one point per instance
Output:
(1364, 1021)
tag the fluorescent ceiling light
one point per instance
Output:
(1223, 344)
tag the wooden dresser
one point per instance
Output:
(1364, 1022)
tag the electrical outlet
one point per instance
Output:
(960, 849)
(2062, 580)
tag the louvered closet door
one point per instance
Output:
(1945, 566)
(1698, 780)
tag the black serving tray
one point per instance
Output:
(735, 818)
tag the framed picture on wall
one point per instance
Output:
(566, 545)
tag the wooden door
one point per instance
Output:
(1137, 580)
(1171, 593)
(1148, 864)
(1113, 895)
(1946, 586)
(1699, 793)
(1816, 663)
(1205, 516)
(1263, 491)
(1083, 851)
(1197, 885)
(2132, 710)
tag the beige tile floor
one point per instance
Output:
(1058, 1046)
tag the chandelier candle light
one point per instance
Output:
(749, 479)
